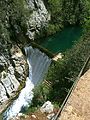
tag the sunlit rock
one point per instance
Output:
(47, 107)
(37, 70)
(3, 95)
(38, 19)
(13, 69)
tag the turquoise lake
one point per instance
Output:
(62, 41)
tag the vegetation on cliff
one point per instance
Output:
(63, 73)
(13, 17)
(66, 12)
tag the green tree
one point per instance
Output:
(66, 12)
(13, 18)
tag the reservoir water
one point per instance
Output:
(61, 41)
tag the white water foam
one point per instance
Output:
(23, 100)
(38, 65)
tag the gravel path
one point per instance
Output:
(78, 105)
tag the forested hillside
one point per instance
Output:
(13, 16)
(64, 13)
(63, 73)
(22, 21)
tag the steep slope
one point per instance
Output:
(13, 71)
(17, 18)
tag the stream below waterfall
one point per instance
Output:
(38, 65)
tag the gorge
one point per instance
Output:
(13, 64)
(37, 70)
(61, 26)
(38, 65)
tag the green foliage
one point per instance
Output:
(75, 11)
(53, 28)
(13, 17)
(40, 94)
(4, 34)
(66, 12)
(55, 9)
(87, 25)
(68, 67)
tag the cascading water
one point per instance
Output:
(38, 66)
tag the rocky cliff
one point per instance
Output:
(13, 64)
(13, 70)
(39, 17)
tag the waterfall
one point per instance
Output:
(38, 65)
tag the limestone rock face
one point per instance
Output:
(39, 17)
(19, 63)
(3, 96)
(47, 107)
(13, 70)
(10, 83)
(13, 64)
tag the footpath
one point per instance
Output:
(78, 105)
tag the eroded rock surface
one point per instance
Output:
(39, 17)
(13, 65)
(13, 71)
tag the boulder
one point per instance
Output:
(47, 107)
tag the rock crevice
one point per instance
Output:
(9, 79)
(38, 19)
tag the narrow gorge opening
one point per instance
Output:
(38, 66)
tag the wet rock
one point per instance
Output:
(13, 70)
